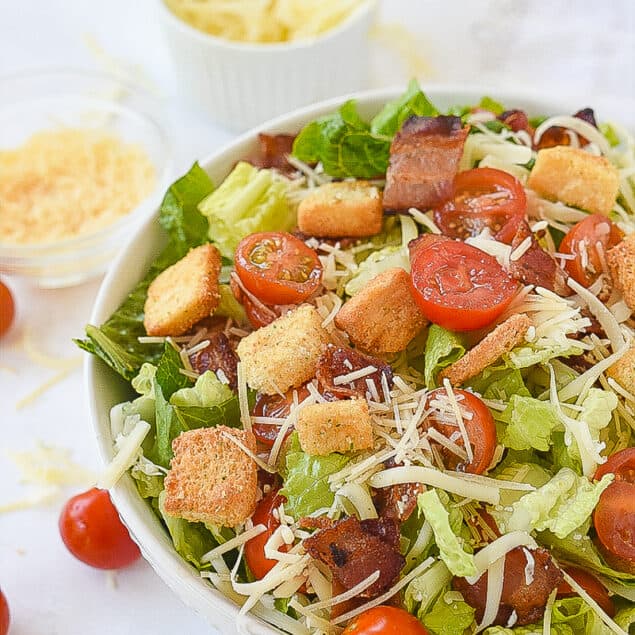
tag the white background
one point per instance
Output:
(572, 48)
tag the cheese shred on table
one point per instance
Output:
(66, 182)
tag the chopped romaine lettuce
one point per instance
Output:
(230, 307)
(305, 479)
(442, 349)
(530, 423)
(500, 383)
(451, 617)
(423, 591)
(530, 473)
(207, 392)
(451, 551)
(247, 201)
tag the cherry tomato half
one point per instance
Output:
(482, 197)
(258, 564)
(385, 620)
(614, 522)
(5, 617)
(92, 531)
(591, 585)
(457, 286)
(277, 267)
(7, 309)
(274, 406)
(480, 428)
(622, 464)
(582, 242)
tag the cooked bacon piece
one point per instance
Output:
(558, 136)
(316, 522)
(273, 151)
(424, 158)
(217, 355)
(354, 549)
(339, 360)
(523, 593)
(536, 266)
(517, 120)
(397, 502)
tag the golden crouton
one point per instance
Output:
(346, 208)
(283, 354)
(621, 262)
(335, 426)
(211, 480)
(623, 371)
(383, 317)
(184, 293)
(501, 340)
(576, 178)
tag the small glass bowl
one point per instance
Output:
(31, 102)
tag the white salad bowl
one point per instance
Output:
(105, 388)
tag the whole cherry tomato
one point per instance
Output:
(92, 531)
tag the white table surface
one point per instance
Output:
(584, 48)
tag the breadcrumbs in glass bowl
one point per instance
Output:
(83, 161)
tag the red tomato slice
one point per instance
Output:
(5, 617)
(274, 406)
(582, 241)
(258, 564)
(7, 309)
(92, 531)
(483, 197)
(622, 464)
(614, 521)
(277, 267)
(481, 431)
(385, 620)
(591, 585)
(457, 286)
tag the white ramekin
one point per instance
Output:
(241, 85)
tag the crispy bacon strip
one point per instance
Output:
(397, 502)
(424, 158)
(536, 266)
(217, 355)
(527, 600)
(339, 360)
(272, 152)
(354, 549)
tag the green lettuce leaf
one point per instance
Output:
(149, 485)
(561, 505)
(208, 391)
(451, 551)
(386, 258)
(442, 349)
(116, 340)
(530, 423)
(191, 540)
(625, 618)
(247, 201)
(230, 307)
(448, 618)
(143, 382)
(305, 479)
(531, 354)
(499, 383)
(424, 590)
(344, 144)
(530, 629)
(391, 117)
(530, 473)
(579, 616)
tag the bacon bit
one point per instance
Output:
(339, 360)
(354, 549)
(217, 355)
(317, 522)
(558, 136)
(517, 120)
(424, 159)
(536, 266)
(527, 600)
(397, 502)
(272, 152)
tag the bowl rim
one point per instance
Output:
(151, 115)
(357, 15)
(174, 571)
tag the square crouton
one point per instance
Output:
(283, 354)
(621, 262)
(501, 340)
(211, 480)
(184, 293)
(336, 426)
(623, 371)
(342, 209)
(576, 178)
(383, 317)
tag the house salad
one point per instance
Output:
(383, 374)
